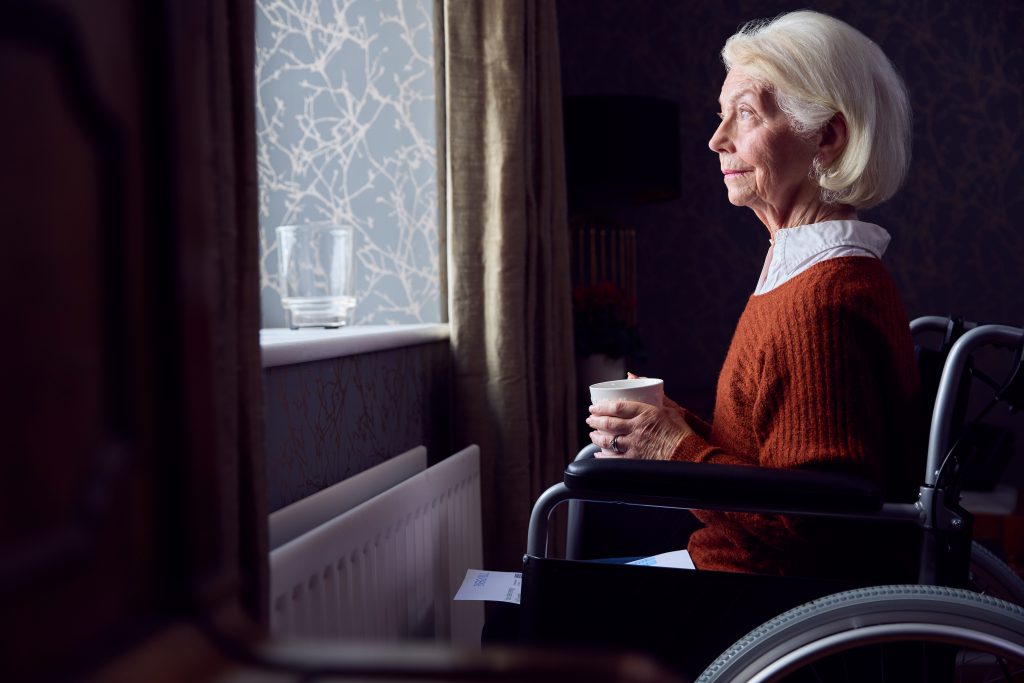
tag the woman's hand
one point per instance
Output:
(639, 430)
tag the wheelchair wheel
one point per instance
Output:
(992, 576)
(883, 633)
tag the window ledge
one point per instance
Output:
(281, 346)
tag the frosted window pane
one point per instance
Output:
(346, 132)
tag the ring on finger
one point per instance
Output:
(615, 444)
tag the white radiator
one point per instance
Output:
(293, 520)
(387, 569)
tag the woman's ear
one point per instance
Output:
(833, 140)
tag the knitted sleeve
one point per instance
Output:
(695, 448)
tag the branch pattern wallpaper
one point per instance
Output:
(346, 132)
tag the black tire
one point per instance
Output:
(991, 576)
(868, 616)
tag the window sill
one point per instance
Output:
(281, 346)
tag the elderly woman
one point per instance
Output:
(820, 374)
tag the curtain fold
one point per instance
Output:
(505, 266)
(214, 208)
(239, 29)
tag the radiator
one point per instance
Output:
(387, 569)
(293, 520)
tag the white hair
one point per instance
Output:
(818, 66)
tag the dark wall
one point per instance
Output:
(957, 242)
(328, 420)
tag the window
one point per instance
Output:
(345, 125)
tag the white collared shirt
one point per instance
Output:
(794, 250)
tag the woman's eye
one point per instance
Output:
(744, 115)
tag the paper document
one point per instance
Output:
(507, 586)
(679, 559)
(497, 586)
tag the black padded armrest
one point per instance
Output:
(723, 486)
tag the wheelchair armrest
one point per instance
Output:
(736, 487)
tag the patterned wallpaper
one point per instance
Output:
(345, 128)
(958, 245)
(331, 419)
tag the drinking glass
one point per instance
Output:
(315, 266)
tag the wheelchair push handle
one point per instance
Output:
(959, 358)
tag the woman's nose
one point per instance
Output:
(720, 141)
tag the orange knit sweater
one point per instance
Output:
(820, 374)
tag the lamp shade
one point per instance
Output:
(620, 150)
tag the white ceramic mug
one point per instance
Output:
(643, 389)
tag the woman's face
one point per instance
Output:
(764, 163)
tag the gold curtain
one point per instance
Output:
(505, 255)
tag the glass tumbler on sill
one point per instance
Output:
(315, 266)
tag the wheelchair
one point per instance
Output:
(961, 619)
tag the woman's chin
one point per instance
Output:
(739, 199)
